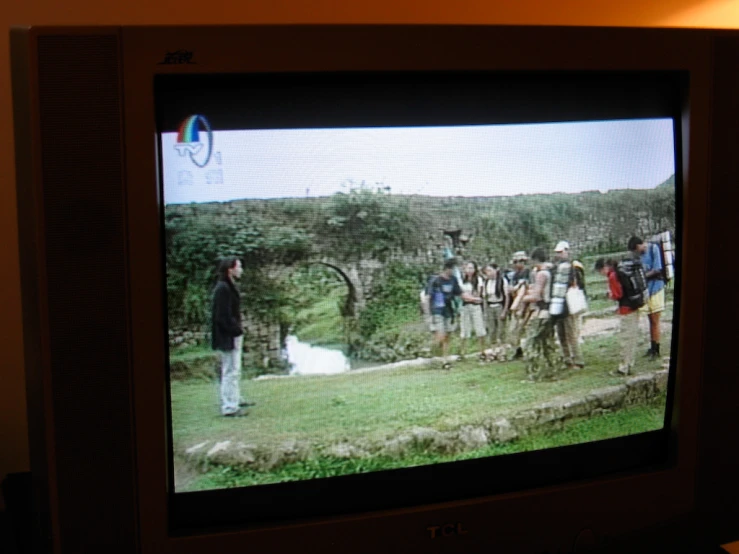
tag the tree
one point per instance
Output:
(366, 221)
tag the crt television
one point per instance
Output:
(272, 285)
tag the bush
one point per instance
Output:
(395, 300)
(389, 329)
(392, 345)
(198, 236)
(363, 221)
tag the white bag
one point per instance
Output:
(576, 303)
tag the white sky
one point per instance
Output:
(486, 160)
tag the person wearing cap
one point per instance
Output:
(515, 290)
(568, 324)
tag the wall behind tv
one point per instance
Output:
(641, 13)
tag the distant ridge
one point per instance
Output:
(669, 182)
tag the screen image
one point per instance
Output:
(348, 300)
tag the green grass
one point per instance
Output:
(629, 421)
(373, 406)
(190, 352)
(321, 323)
(328, 409)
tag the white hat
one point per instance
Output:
(562, 246)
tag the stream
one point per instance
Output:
(306, 359)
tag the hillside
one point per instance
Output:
(591, 221)
(669, 182)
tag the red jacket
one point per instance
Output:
(617, 292)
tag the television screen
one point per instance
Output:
(382, 272)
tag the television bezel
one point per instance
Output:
(560, 511)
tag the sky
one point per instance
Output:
(482, 160)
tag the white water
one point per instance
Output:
(314, 360)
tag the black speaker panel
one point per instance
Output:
(84, 265)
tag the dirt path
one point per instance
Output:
(594, 327)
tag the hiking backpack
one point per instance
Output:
(663, 241)
(438, 299)
(559, 283)
(634, 283)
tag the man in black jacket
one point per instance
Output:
(228, 335)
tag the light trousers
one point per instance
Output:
(231, 377)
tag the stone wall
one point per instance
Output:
(180, 338)
(262, 340)
(636, 390)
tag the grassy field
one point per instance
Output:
(377, 405)
(632, 420)
(322, 323)
(373, 405)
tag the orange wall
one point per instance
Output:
(13, 443)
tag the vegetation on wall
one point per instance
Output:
(279, 239)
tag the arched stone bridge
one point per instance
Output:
(360, 274)
(359, 277)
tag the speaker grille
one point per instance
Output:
(85, 255)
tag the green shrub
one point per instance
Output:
(392, 345)
(395, 299)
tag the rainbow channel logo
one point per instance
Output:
(189, 140)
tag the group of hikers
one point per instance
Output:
(516, 312)
(523, 311)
